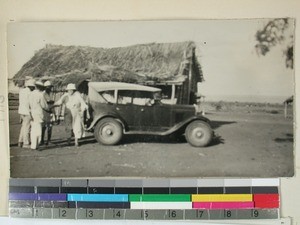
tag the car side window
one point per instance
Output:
(124, 97)
(142, 98)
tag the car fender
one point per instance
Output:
(184, 123)
(101, 116)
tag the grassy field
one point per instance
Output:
(247, 107)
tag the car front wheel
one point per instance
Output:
(108, 131)
(198, 133)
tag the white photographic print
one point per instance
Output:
(176, 98)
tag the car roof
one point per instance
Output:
(104, 86)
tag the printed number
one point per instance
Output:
(255, 213)
(63, 213)
(90, 213)
(227, 214)
(144, 214)
(118, 214)
(199, 213)
(172, 214)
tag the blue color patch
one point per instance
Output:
(98, 197)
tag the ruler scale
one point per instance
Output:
(145, 199)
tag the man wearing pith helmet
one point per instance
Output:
(38, 105)
(48, 115)
(24, 111)
(74, 109)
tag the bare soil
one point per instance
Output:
(250, 141)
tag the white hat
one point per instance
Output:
(47, 83)
(30, 83)
(39, 83)
(71, 87)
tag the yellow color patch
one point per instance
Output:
(222, 198)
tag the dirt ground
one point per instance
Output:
(247, 143)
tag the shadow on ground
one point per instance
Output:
(288, 138)
(63, 143)
(217, 139)
(216, 124)
(170, 139)
(136, 138)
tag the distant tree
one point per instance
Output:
(277, 32)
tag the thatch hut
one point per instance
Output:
(173, 67)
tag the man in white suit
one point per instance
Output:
(38, 105)
(24, 111)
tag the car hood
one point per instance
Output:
(183, 108)
(182, 112)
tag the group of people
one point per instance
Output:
(37, 114)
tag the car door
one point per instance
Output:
(144, 111)
(124, 108)
(144, 116)
(161, 117)
(133, 110)
(152, 116)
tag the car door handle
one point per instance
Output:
(142, 110)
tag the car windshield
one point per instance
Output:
(108, 96)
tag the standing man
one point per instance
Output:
(74, 109)
(48, 115)
(24, 111)
(38, 105)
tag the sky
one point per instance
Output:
(225, 48)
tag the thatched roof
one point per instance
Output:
(136, 64)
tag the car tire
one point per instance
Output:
(198, 133)
(108, 131)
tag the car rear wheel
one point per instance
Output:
(198, 133)
(108, 131)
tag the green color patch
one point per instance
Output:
(160, 198)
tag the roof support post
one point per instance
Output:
(285, 109)
(116, 96)
(189, 84)
(173, 94)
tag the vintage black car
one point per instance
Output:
(123, 108)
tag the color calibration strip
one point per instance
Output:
(148, 199)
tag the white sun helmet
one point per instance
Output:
(71, 87)
(47, 83)
(30, 83)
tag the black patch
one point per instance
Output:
(74, 190)
(264, 190)
(156, 190)
(101, 190)
(20, 189)
(47, 189)
(128, 190)
(210, 190)
(184, 190)
(237, 190)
